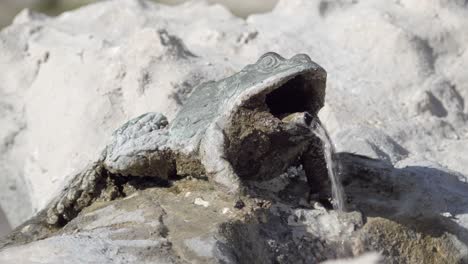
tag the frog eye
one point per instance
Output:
(269, 61)
(301, 58)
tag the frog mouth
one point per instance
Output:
(272, 126)
(301, 93)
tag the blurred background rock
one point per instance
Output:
(9, 8)
(4, 226)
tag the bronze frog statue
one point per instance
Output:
(250, 126)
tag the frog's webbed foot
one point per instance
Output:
(84, 188)
(80, 192)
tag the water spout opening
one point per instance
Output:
(296, 95)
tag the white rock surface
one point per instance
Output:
(369, 258)
(397, 83)
(4, 225)
(199, 201)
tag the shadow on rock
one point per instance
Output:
(420, 204)
(409, 215)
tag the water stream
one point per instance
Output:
(333, 166)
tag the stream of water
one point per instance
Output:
(333, 166)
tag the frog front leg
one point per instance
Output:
(79, 193)
(315, 167)
(313, 157)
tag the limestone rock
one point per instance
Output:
(396, 91)
(4, 225)
(153, 61)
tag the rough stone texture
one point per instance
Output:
(148, 65)
(4, 225)
(404, 245)
(396, 91)
(414, 214)
(167, 225)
